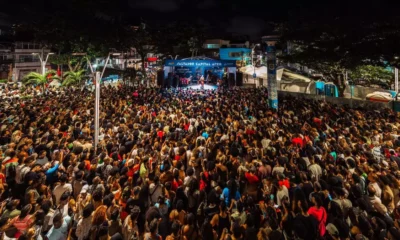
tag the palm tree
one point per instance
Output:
(40, 79)
(71, 78)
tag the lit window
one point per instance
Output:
(235, 54)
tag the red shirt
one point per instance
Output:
(160, 134)
(186, 126)
(298, 141)
(321, 216)
(176, 184)
(2, 178)
(87, 165)
(203, 185)
(251, 178)
(285, 182)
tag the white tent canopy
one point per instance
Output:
(261, 72)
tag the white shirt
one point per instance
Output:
(155, 193)
(21, 170)
(60, 189)
(280, 194)
(315, 170)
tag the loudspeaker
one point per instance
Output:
(239, 79)
(231, 79)
(160, 78)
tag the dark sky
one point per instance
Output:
(236, 17)
(251, 17)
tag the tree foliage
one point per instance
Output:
(333, 45)
(74, 78)
(34, 78)
(372, 75)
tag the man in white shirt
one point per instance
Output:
(155, 190)
(62, 188)
(315, 169)
(281, 193)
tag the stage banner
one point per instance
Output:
(200, 63)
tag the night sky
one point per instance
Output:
(251, 17)
(246, 17)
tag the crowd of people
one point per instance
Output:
(196, 164)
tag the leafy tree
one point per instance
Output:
(372, 74)
(193, 44)
(333, 45)
(74, 78)
(179, 38)
(35, 78)
(143, 40)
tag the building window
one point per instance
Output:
(212, 46)
(236, 54)
(28, 58)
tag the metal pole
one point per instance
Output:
(105, 66)
(43, 64)
(396, 80)
(252, 57)
(96, 110)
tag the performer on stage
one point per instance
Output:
(202, 82)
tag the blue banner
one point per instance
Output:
(272, 84)
(238, 54)
(200, 63)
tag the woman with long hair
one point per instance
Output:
(222, 220)
(99, 217)
(24, 221)
(231, 192)
(189, 230)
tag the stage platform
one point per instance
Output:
(198, 87)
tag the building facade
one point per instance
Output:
(26, 59)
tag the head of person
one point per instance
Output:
(58, 220)
(25, 211)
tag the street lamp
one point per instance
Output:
(396, 78)
(97, 78)
(252, 53)
(43, 62)
(176, 56)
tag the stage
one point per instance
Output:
(198, 87)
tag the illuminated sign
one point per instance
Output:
(199, 63)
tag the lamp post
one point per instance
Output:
(252, 53)
(396, 78)
(97, 79)
(43, 62)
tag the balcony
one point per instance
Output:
(27, 64)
